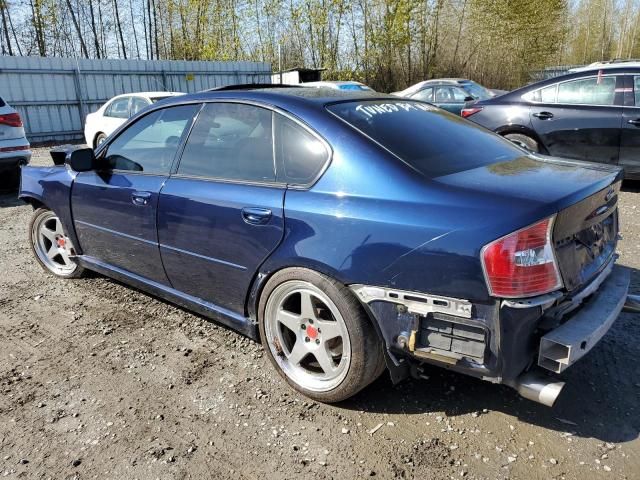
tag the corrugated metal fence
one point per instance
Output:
(53, 95)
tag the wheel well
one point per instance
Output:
(253, 301)
(34, 202)
(522, 131)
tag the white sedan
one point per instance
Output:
(101, 123)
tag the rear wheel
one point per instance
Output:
(318, 336)
(51, 246)
(523, 141)
(99, 139)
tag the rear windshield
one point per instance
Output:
(432, 141)
(477, 90)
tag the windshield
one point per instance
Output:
(432, 141)
(478, 91)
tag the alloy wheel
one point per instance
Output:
(53, 247)
(307, 336)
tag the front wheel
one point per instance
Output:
(318, 336)
(51, 246)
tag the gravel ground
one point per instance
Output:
(101, 381)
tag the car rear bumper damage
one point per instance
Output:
(481, 340)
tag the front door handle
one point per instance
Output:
(635, 121)
(256, 216)
(140, 198)
(543, 115)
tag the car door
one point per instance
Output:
(115, 207)
(580, 118)
(221, 212)
(630, 141)
(426, 95)
(116, 113)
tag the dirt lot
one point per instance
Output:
(101, 381)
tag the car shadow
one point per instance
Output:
(600, 400)
(631, 186)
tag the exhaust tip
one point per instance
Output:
(632, 304)
(538, 387)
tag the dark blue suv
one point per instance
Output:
(351, 232)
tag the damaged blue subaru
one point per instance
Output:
(352, 233)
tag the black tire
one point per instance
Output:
(523, 141)
(99, 139)
(367, 359)
(39, 216)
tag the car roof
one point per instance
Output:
(149, 94)
(633, 64)
(447, 80)
(332, 82)
(282, 95)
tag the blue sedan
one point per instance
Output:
(350, 232)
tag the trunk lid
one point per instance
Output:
(582, 195)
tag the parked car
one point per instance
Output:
(339, 85)
(451, 94)
(15, 149)
(591, 114)
(101, 123)
(350, 232)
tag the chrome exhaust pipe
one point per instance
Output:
(537, 387)
(632, 304)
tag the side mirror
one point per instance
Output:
(81, 160)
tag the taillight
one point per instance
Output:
(11, 119)
(522, 264)
(467, 112)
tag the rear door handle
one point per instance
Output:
(256, 215)
(543, 115)
(140, 198)
(635, 121)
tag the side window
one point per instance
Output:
(543, 95)
(425, 95)
(443, 95)
(548, 94)
(230, 141)
(588, 91)
(118, 109)
(636, 89)
(459, 94)
(150, 144)
(137, 104)
(300, 154)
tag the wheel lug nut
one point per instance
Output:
(317, 341)
(306, 339)
(303, 327)
(311, 321)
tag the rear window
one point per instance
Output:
(432, 141)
